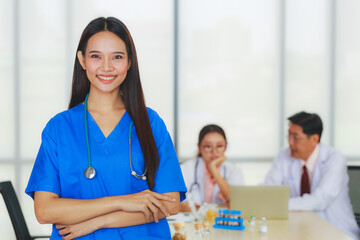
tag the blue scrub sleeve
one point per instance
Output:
(168, 177)
(45, 173)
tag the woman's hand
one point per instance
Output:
(213, 166)
(129, 216)
(77, 230)
(184, 207)
(147, 202)
(220, 180)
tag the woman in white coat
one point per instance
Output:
(208, 177)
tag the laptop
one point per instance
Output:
(261, 201)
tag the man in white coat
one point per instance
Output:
(317, 174)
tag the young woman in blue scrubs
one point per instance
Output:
(106, 168)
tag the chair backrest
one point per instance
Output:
(14, 209)
(354, 190)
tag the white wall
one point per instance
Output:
(246, 65)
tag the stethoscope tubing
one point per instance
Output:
(87, 131)
(90, 171)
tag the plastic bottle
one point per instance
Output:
(206, 234)
(198, 232)
(263, 227)
(252, 221)
(180, 233)
(191, 202)
(252, 224)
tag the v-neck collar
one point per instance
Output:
(96, 133)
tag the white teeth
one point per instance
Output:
(106, 78)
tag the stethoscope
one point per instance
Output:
(90, 171)
(196, 183)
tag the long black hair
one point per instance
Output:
(131, 90)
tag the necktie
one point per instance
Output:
(305, 184)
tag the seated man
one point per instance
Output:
(317, 174)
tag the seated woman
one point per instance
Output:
(208, 177)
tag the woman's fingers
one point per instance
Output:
(197, 206)
(161, 206)
(220, 160)
(68, 237)
(148, 202)
(154, 204)
(64, 231)
(216, 163)
(184, 207)
(147, 213)
(154, 210)
(67, 234)
(161, 196)
(59, 226)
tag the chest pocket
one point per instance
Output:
(138, 165)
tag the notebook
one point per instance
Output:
(261, 201)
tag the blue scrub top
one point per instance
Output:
(62, 159)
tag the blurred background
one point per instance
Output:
(245, 65)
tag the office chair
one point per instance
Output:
(16, 215)
(354, 190)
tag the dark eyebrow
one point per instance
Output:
(294, 133)
(95, 51)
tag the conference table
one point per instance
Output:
(300, 226)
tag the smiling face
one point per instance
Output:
(212, 146)
(105, 61)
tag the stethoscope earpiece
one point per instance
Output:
(143, 177)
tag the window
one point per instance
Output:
(228, 71)
(245, 65)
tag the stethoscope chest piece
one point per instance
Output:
(90, 173)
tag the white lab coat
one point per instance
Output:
(329, 195)
(233, 176)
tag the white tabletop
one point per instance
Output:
(299, 226)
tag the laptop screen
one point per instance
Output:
(261, 201)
